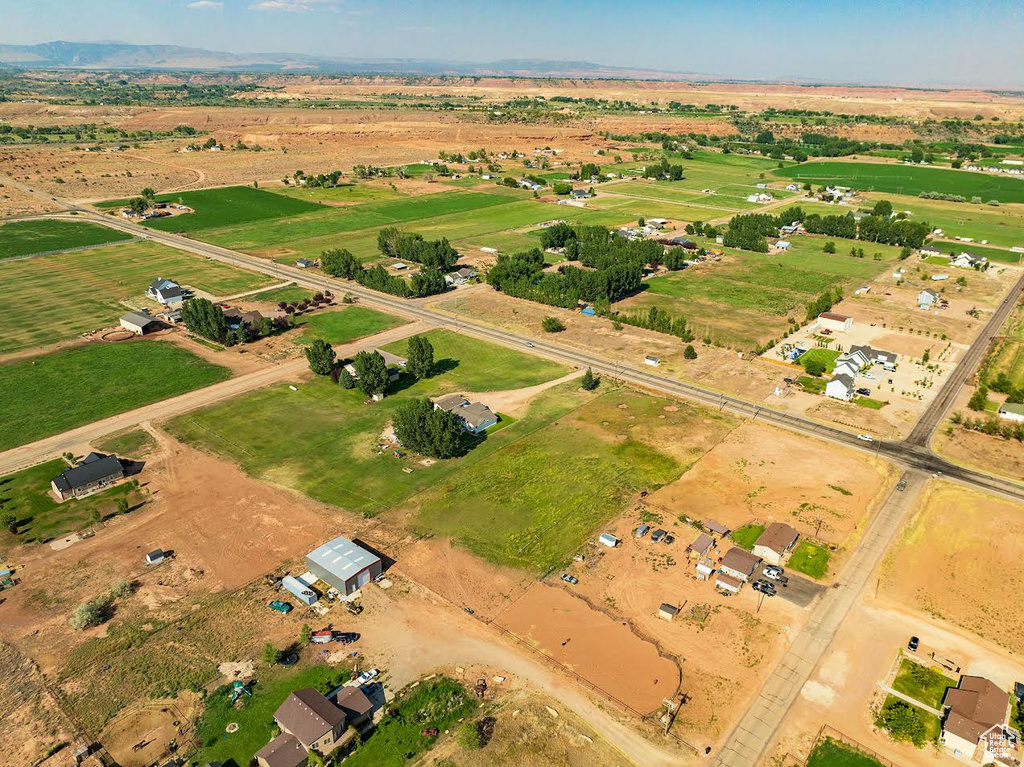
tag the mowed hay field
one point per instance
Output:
(55, 392)
(908, 179)
(51, 298)
(958, 560)
(22, 238)
(746, 299)
(325, 437)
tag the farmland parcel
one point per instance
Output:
(23, 238)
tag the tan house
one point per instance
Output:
(283, 751)
(775, 542)
(700, 547)
(976, 714)
(312, 719)
(738, 564)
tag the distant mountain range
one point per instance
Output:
(106, 56)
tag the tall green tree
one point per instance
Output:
(424, 429)
(203, 318)
(321, 357)
(421, 357)
(589, 381)
(372, 373)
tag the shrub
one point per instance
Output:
(552, 325)
(690, 353)
(902, 721)
(86, 615)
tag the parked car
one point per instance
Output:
(429, 732)
(787, 380)
(642, 531)
(658, 534)
(367, 676)
(570, 579)
(864, 392)
(865, 438)
(282, 607)
(669, 539)
(765, 587)
(346, 637)
(913, 644)
(869, 376)
(774, 572)
(902, 485)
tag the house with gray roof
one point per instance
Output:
(93, 473)
(165, 291)
(476, 417)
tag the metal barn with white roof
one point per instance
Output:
(344, 565)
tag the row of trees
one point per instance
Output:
(659, 320)
(433, 254)
(663, 170)
(325, 180)
(339, 262)
(824, 302)
(206, 319)
(372, 376)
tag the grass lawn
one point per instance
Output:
(746, 536)
(255, 717)
(810, 559)
(22, 238)
(832, 753)
(290, 294)
(397, 740)
(41, 517)
(921, 683)
(812, 385)
(827, 356)
(326, 444)
(345, 325)
(65, 389)
(133, 443)
(1007, 354)
(932, 726)
(910, 180)
(869, 403)
(108, 281)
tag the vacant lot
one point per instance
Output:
(326, 436)
(33, 724)
(65, 389)
(947, 558)
(40, 517)
(346, 325)
(72, 293)
(22, 238)
(908, 179)
(1007, 354)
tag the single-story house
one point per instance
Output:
(476, 417)
(716, 528)
(976, 711)
(137, 322)
(930, 250)
(305, 263)
(967, 260)
(775, 542)
(580, 194)
(312, 719)
(1011, 411)
(668, 612)
(840, 387)
(165, 291)
(876, 356)
(460, 276)
(926, 298)
(728, 583)
(701, 546)
(237, 318)
(652, 361)
(283, 751)
(92, 474)
(839, 323)
(783, 245)
(344, 565)
(739, 563)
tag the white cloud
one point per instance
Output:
(209, 5)
(291, 5)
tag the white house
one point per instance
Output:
(1012, 412)
(967, 260)
(926, 298)
(840, 387)
(165, 291)
(775, 542)
(839, 323)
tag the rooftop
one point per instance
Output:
(778, 537)
(740, 560)
(93, 467)
(283, 751)
(974, 707)
(308, 715)
(342, 557)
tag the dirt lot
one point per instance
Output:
(769, 475)
(151, 724)
(956, 562)
(592, 645)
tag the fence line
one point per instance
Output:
(829, 732)
(71, 250)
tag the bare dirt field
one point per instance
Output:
(955, 561)
(769, 475)
(980, 451)
(151, 724)
(590, 644)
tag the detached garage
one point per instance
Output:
(137, 322)
(344, 565)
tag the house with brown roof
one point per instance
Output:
(283, 751)
(775, 542)
(700, 547)
(976, 714)
(739, 564)
(312, 720)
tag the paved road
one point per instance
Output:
(752, 735)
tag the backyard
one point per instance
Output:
(832, 753)
(921, 683)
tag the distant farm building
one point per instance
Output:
(344, 565)
(839, 323)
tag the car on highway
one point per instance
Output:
(913, 644)
(530, 345)
(765, 587)
(773, 571)
(902, 485)
(865, 438)
(572, 579)
(367, 676)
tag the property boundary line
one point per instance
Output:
(829, 732)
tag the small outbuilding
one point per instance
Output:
(344, 565)
(668, 612)
(305, 263)
(739, 563)
(652, 361)
(607, 539)
(838, 323)
(155, 557)
(138, 322)
(701, 546)
(716, 528)
(728, 584)
(299, 589)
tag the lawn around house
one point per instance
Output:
(927, 728)
(921, 683)
(832, 753)
(40, 517)
(60, 391)
(345, 325)
(133, 443)
(23, 238)
(810, 559)
(827, 357)
(747, 536)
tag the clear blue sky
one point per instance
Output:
(912, 42)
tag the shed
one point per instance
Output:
(728, 584)
(302, 591)
(668, 612)
(155, 557)
(652, 361)
(716, 527)
(137, 322)
(344, 565)
(607, 539)
(305, 263)
(701, 546)
(704, 572)
(739, 563)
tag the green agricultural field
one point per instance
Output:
(40, 517)
(749, 298)
(37, 308)
(23, 238)
(345, 325)
(290, 294)
(1007, 354)
(65, 389)
(832, 753)
(907, 179)
(326, 443)
(351, 194)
